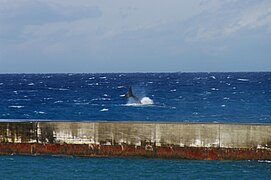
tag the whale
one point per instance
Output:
(130, 94)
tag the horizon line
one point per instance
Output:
(135, 72)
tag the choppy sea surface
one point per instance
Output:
(181, 97)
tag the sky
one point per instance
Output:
(88, 36)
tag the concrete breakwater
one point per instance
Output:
(213, 141)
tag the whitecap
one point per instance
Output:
(103, 77)
(15, 92)
(214, 89)
(82, 103)
(48, 98)
(39, 112)
(31, 84)
(197, 78)
(92, 84)
(91, 78)
(223, 105)
(105, 95)
(212, 77)
(1, 84)
(56, 102)
(119, 87)
(104, 109)
(26, 115)
(18, 107)
(59, 89)
(31, 91)
(15, 100)
(243, 79)
(264, 161)
(173, 90)
(106, 99)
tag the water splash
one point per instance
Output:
(144, 101)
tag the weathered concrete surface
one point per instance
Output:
(148, 139)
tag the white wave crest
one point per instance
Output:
(18, 107)
(39, 112)
(264, 161)
(243, 79)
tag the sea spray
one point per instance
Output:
(143, 101)
(146, 101)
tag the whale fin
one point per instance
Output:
(129, 93)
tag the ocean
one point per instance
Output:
(181, 97)
(53, 167)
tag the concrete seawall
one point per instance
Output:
(147, 139)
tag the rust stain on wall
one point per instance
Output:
(203, 141)
(160, 152)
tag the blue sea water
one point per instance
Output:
(181, 97)
(192, 97)
(49, 167)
